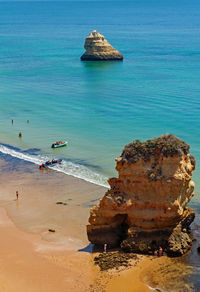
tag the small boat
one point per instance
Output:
(50, 163)
(59, 144)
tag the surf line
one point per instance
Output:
(69, 168)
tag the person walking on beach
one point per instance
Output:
(105, 247)
(160, 251)
(155, 253)
(17, 195)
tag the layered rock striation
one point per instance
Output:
(98, 49)
(145, 207)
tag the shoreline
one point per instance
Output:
(36, 211)
(39, 193)
(38, 253)
(27, 220)
(69, 167)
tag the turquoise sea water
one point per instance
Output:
(97, 107)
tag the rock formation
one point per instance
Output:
(145, 207)
(98, 49)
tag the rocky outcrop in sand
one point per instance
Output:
(98, 49)
(145, 207)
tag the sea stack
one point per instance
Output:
(145, 207)
(99, 49)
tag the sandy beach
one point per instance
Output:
(34, 259)
(38, 208)
(23, 268)
(104, 110)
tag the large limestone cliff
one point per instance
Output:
(98, 49)
(145, 207)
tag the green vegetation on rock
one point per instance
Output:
(167, 145)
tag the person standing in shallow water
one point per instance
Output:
(17, 195)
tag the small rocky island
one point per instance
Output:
(99, 49)
(145, 207)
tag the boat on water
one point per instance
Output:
(50, 163)
(59, 144)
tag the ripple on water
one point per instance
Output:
(169, 274)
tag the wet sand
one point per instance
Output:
(153, 274)
(37, 208)
(130, 279)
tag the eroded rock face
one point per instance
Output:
(98, 49)
(145, 207)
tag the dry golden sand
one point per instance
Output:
(25, 269)
(129, 280)
(35, 260)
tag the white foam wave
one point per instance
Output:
(76, 170)
(31, 158)
(153, 289)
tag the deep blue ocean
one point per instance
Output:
(98, 107)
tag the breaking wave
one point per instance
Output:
(67, 167)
